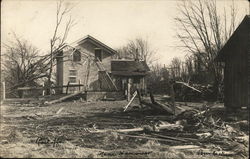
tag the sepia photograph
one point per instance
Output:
(125, 79)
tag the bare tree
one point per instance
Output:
(175, 68)
(20, 64)
(138, 49)
(203, 32)
(58, 40)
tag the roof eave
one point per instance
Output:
(110, 50)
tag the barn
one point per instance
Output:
(236, 58)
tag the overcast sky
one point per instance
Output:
(112, 22)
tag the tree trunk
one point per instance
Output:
(50, 70)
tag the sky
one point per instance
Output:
(114, 22)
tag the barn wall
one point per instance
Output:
(81, 67)
(236, 79)
(248, 69)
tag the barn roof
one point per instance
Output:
(242, 29)
(94, 41)
(129, 68)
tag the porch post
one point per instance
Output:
(129, 89)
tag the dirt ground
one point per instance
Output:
(63, 130)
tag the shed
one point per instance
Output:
(129, 71)
(236, 56)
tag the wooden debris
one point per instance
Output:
(171, 138)
(118, 130)
(59, 111)
(164, 126)
(131, 100)
(185, 84)
(160, 106)
(169, 126)
(150, 138)
(185, 147)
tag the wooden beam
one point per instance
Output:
(134, 95)
(101, 68)
(149, 138)
(160, 127)
(185, 84)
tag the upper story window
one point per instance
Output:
(98, 54)
(72, 73)
(76, 56)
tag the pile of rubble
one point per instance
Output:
(196, 130)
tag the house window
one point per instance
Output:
(98, 54)
(72, 76)
(72, 79)
(72, 73)
(76, 56)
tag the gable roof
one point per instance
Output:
(94, 41)
(242, 29)
(129, 67)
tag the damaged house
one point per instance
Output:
(88, 65)
(236, 56)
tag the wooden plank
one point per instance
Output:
(179, 147)
(101, 68)
(118, 130)
(172, 138)
(59, 111)
(185, 84)
(160, 127)
(149, 138)
(134, 95)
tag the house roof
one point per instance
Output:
(129, 68)
(95, 41)
(239, 35)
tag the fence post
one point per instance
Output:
(80, 84)
(67, 89)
